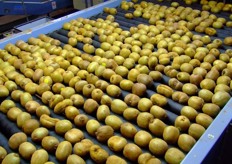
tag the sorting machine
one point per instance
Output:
(205, 148)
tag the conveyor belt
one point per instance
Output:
(172, 108)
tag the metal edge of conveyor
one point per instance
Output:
(203, 146)
(207, 140)
(19, 2)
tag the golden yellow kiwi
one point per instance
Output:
(16, 139)
(40, 156)
(63, 150)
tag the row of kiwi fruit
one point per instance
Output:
(66, 80)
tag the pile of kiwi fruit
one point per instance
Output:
(111, 103)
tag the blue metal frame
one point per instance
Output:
(211, 135)
(32, 7)
(203, 146)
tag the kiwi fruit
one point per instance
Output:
(158, 112)
(113, 159)
(46, 97)
(81, 120)
(180, 97)
(131, 151)
(102, 112)
(106, 100)
(154, 160)
(122, 71)
(118, 106)
(195, 79)
(98, 154)
(190, 89)
(31, 106)
(13, 113)
(39, 156)
(186, 142)
(144, 157)
(131, 114)
(183, 76)
(97, 94)
(132, 99)
(90, 106)
(6, 105)
(3, 153)
(126, 85)
(113, 90)
(128, 130)
(174, 155)
(82, 148)
(195, 130)
(158, 146)
(26, 149)
(92, 126)
(73, 158)
(38, 134)
(158, 99)
(227, 41)
(62, 126)
(145, 79)
(16, 139)
(103, 133)
(22, 118)
(223, 80)
(64, 149)
(222, 87)
(79, 85)
(196, 102)
(11, 158)
(78, 100)
(116, 79)
(171, 134)
(116, 143)
(144, 104)
(4, 91)
(50, 143)
(208, 84)
(182, 123)
(206, 95)
(87, 90)
(156, 126)
(155, 75)
(220, 98)
(25, 97)
(142, 138)
(114, 121)
(11, 86)
(213, 74)
(71, 112)
(30, 125)
(55, 99)
(139, 89)
(204, 120)
(15, 95)
(175, 84)
(101, 84)
(211, 109)
(74, 135)
(144, 119)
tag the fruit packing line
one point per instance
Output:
(173, 106)
(64, 39)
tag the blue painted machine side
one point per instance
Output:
(32, 7)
